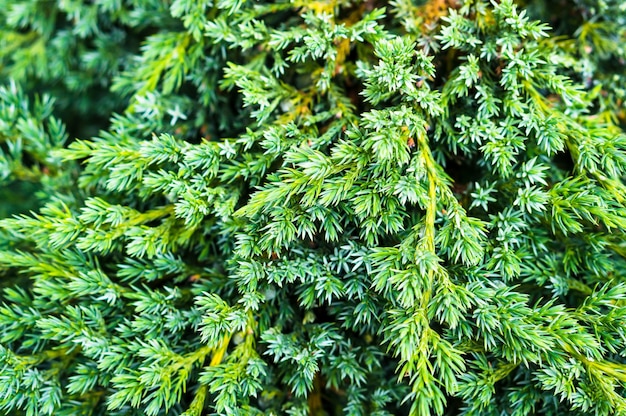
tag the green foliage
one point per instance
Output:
(313, 207)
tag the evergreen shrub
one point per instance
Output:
(312, 207)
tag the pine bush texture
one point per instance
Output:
(312, 207)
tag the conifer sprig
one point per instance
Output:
(313, 207)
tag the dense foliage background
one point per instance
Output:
(304, 207)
